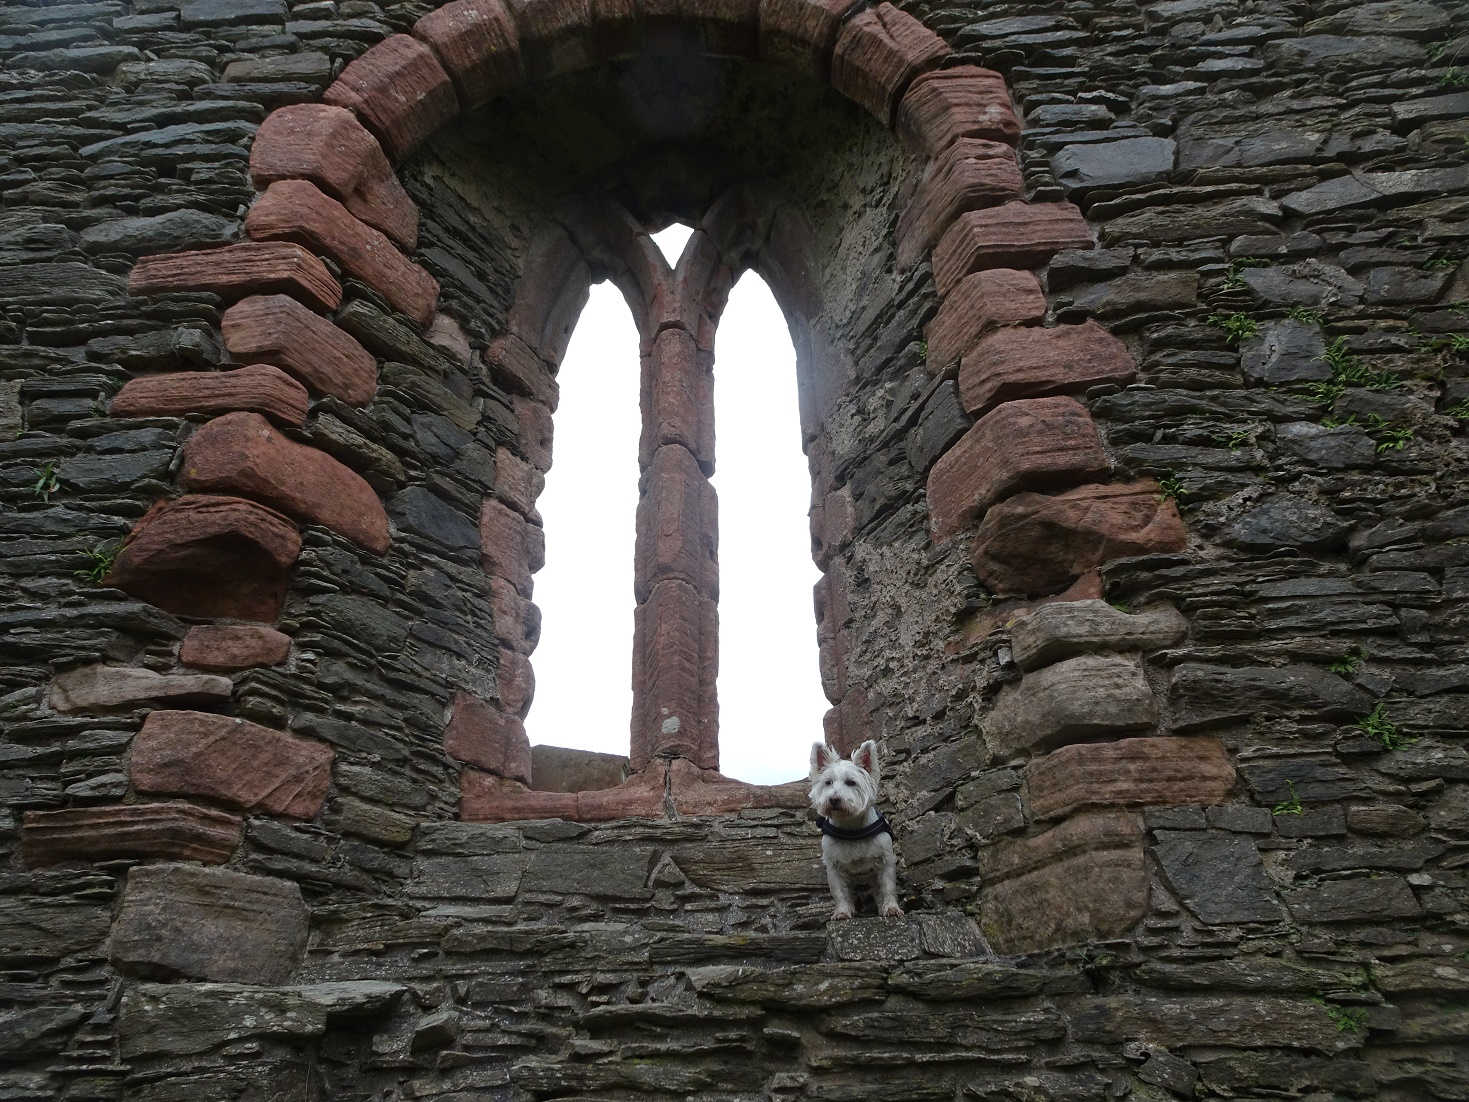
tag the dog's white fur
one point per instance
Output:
(845, 793)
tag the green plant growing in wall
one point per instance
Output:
(1376, 724)
(100, 562)
(1291, 806)
(1348, 370)
(1350, 662)
(1306, 314)
(1239, 439)
(1459, 411)
(46, 483)
(1349, 421)
(1171, 489)
(1347, 1019)
(1440, 264)
(1237, 326)
(1233, 280)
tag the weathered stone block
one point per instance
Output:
(489, 738)
(1232, 1021)
(695, 791)
(610, 871)
(1031, 444)
(103, 688)
(505, 545)
(878, 53)
(329, 147)
(962, 102)
(677, 520)
(1366, 899)
(1080, 698)
(517, 483)
(249, 268)
(229, 647)
(242, 453)
(399, 91)
(1218, 876)
(486, 798)
(677, 396)
(258, 388)
(1083, 880)
(740, 867)
(1012, 235)
(562, 769)
(297, 210)
(1133, 772)
(675, 656)
(279, 330)
(1063, 630)
(1035, 544)
(478, 45)
(183, 832)
(979, 302)
(1204, 694)
(179, 552)
(231, 760)
(208, 924)
(969, 174)
(1031, 362)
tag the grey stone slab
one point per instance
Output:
(494, 878)
(1367, 899)
(1110, 164)
(1068, 628)
(1079, 698)
(1219, 877)
(1285, 520)
(1285, 352)
(619, 872)
(1336, 448)
(1202, 693)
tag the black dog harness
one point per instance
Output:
(871, 830)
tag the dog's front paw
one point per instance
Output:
(891, 910)
(840, 913)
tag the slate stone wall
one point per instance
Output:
(1196, 829)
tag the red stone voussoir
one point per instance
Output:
(236, 762)
(677, 525)
(1030, 444)
(484, 736)
(560, 36)
(1032, 362)
(478, 46)
(802, 33)
(517, 368)
(399, 91)
(1134, 772)
(257, 387)
(242, 453)
(515, 681)
(517, 621)
(1013, 235)
(517, 483)
(728, 28)
(978, 302)
(249, 268)
(878, 53)
(277, 329)
(963, 102)
(230, 647)
(536, 427)
(210, 557)
(297, 210)
(1034, 544)
(969, 174)
(505, 545)
(171, 830)
(329, 147)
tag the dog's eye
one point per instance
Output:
(851, 783)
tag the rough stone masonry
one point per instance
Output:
(1133, 358)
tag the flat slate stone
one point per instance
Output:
(209, 924)
(1068, 628)
(1218, 876)
(1203, 694)
(1285, 352)
(177, 830)
(103, 688)
(1078, 698)
(1111, 164)
(1285, 520)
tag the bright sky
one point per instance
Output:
(770, 699)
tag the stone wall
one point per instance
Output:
(1146, 570)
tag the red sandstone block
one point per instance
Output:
(279, 330)
(209, 556)
(696, 791)
(970, 174)
(249, 268)
(478, 45)
(878, 53)
(535, 430)
(1031, 362)
(675, 659)
(833, 524)
(486, 798)
(677, 525)
(560, 36)
(677, 399)
(1134, 772)
(963, 102)
(1030, 444)
(399, 91)
(641, 796)
(984, 300)
(802, 33)
(171, 830)
(503, 537)
(233, 647)
(516, 682)
(258, 387)
(553, 288)
(1032, 543)
(242, 453)
(832, 659)
(1014, 235)
(830, 599)
(329, 147)
(847, 726)
(231, 760)
(517, 483)
(482, 735)
(297, 210)
(519, 370)
(517, 621)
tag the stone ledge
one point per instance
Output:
(256, 388)
(277, 329)
(249, 268)
(1013, 235)
(181, 831)
(1033, 362)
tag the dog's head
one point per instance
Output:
(841, 788)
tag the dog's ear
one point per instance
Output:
(822, 755)
(866, 759)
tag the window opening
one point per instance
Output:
(583, 695)
(671, 242)
(769, 686)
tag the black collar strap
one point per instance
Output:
(880, 826)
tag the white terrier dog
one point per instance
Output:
(857, 842)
